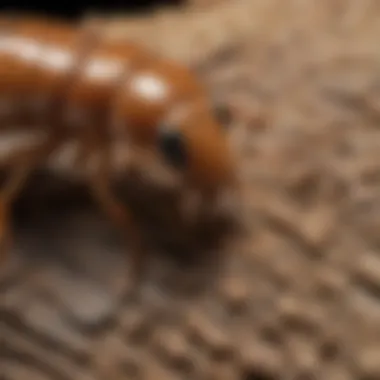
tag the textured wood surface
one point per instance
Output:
(295, 295)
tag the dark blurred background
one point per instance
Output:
(75, 9)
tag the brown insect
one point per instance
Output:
(68, 82)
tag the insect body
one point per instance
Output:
(69, 83)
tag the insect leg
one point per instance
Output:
(22, 163)
(118, 213)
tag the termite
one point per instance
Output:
(67, 81)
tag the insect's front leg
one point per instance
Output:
(117, 212)
(21, 164)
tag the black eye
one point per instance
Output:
(172, 145)
(223, 114)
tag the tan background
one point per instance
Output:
(297, 294)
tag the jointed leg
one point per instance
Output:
(118, 213)
(21, 164)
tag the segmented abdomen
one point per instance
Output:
(57, 74)
(36, 61)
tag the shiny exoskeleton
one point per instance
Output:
(70, 83)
